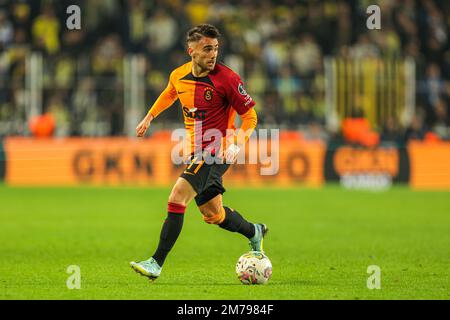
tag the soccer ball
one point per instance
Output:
(254, 268)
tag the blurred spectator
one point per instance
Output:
(74, 42)
(197, 11)
(21, 17)
(107, 56)
(390, 132)
(306, 55)
(102, 16)
(59, 111)
(388, 42)
(436, 23)
(404, 23)
(275, 54)
(364, 48)
(344, 25)
(273, 109)
(46, 30)
(108, 66)
(6, 31)
(434, 84)
(441, 123)
(83, 111)
(135, 25)
(416, 130)
(20, 47)
(162, 32)
(287, 84)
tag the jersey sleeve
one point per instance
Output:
(239, 99)
(249, 122)
(165, 99)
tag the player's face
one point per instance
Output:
(204, 53)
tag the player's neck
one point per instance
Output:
(198, 72)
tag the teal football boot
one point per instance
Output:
(148, 268)
(256, 243)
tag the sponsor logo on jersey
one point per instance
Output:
(241, 89)
(194, 113)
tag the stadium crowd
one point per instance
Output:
(277, 47)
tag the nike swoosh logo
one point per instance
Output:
(180, 92)
(186, 172)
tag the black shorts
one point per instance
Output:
(206, 179)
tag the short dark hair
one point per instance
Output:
(200, 31)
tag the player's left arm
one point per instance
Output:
(243, 103)
(249, 122)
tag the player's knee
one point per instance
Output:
(213, 216)
(177, 196)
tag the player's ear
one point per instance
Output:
(190, 51)
(191, 48)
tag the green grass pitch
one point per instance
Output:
(321, 242)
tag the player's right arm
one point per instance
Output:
(164, 101)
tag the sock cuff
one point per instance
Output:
(175, 208)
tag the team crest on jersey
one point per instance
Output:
(242, 90)
(208, 94)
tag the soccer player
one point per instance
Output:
(210, 94)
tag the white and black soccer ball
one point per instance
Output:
(254, 268)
